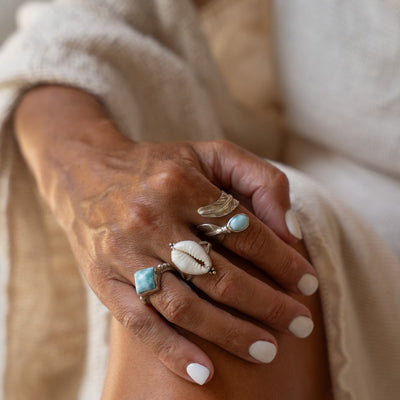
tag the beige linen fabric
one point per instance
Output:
(149, 64)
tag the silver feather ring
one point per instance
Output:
(223, 206)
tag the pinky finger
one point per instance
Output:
(177, 353)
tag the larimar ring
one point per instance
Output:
(148, 280)
(238, 223)
(223, 206)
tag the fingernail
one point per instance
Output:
(301, 326)
(263, 351)
(308, 284)
(293, 225)
(199, 373)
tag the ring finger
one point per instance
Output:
(182, 307)
(256, 242)
(235, 288)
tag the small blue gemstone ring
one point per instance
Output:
(238, 223)
(148, 280)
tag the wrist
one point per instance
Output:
(58, 127)
(48, 115)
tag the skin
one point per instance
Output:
(299, 372)
(200, 3)
(101, 187)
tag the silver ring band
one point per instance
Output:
(238, 223)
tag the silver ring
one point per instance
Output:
(148, 280)
(191, 258)
(238, 223)
(223, 206)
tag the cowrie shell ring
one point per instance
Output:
(191, 258)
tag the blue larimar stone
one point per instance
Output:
(238, 222)
(144, 280)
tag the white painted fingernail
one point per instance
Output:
(199, 373)
(293, 225)
(308, 284)
(301, 326)
(263, 351)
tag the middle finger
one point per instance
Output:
(235, 288)
(260, 245)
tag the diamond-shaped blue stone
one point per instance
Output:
(144, 280)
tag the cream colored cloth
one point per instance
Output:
(149, 64)
(338, 66)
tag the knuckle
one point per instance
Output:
(114, 239)
(166, 350)
(140, 326)
(254, 244)
(99, 277)
(176, 309)
(285, 268)
(232, 336)
(139, 215)
(143, 328)
(280, 181)
(187, 153)
(119, 234)
(225, 287)
(170, 179)
(277, 310)
(222, 144)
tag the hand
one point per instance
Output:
(122, 203)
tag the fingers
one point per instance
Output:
(239, 290)
(238, 170)
(182, 307)
(258, 244)
(234, 287)
(140, 199)
(176, 352)
(179, 305)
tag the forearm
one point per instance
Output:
(58, 126)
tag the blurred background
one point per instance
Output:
(7, 19)
(243, 22)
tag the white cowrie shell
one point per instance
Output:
(190, 258)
